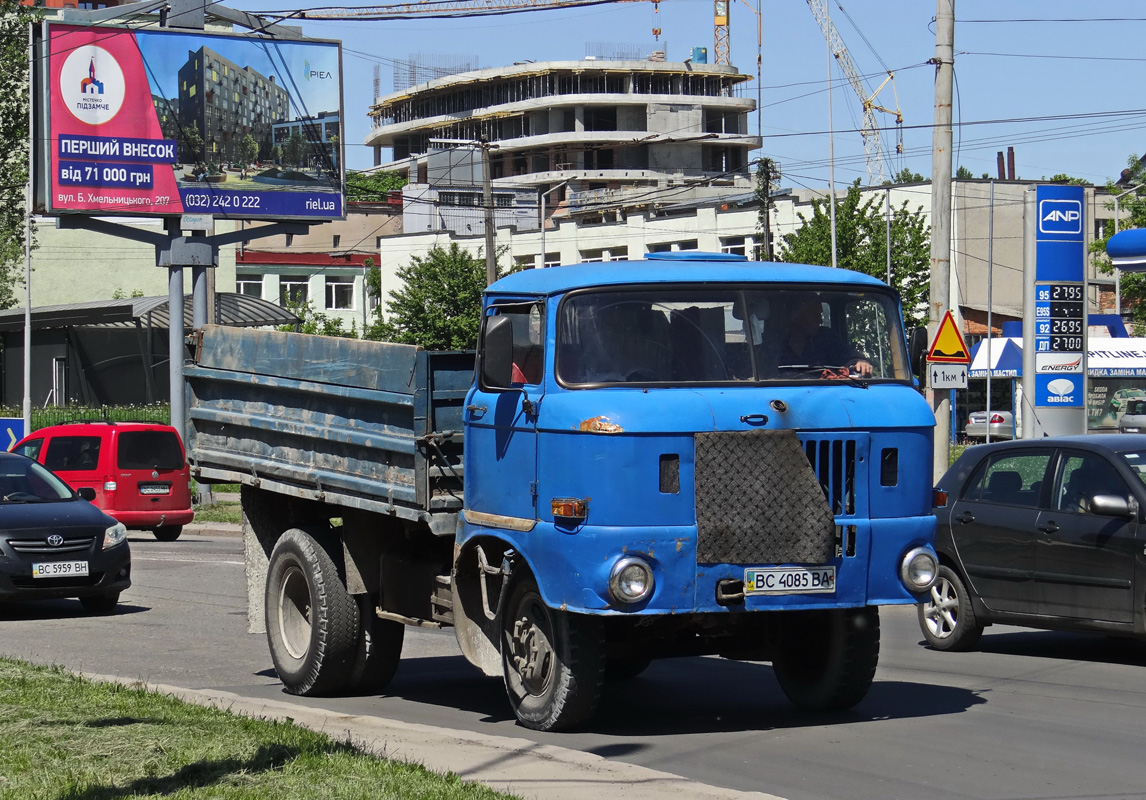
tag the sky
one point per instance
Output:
(1037, 75)
(292, 64)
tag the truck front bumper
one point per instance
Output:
(573, 568)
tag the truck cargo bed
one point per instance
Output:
(368, 425)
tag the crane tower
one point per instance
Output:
(877, 171)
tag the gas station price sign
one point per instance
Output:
(1059, 317)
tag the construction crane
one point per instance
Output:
(877, 171)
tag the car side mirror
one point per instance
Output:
(918, 351)
(497, 353)
(1110, 505)
(87, 493)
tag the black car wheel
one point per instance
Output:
(946, 617)
(168, 533)
(100, 603)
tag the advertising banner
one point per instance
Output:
(159, 122)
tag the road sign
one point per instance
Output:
(11, 431)
(947, 376)
(948, 346)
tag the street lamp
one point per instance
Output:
(1117, 271)
(543, 195)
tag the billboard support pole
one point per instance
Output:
(176, 251)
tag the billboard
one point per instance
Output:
(161, 122)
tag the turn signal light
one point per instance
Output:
(938, 498)
(570, 507)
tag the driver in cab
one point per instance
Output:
(805, 342)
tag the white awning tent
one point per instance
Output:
(1106, 358)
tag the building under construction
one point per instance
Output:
(594, 123)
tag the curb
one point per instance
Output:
(517, 766)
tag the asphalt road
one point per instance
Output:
(1033, 715)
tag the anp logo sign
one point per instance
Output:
(92, 85)
(1060, 216)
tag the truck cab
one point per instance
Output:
(683, 449)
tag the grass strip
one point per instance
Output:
(65, 737)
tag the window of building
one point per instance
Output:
(293, 289)
(734, 245)
(250, 285)
(337, 240)
(339, 291)
(289, 239)
(552, 259)
(592, 255)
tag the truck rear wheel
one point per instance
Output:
(312, 621)
(551, 659)
(826, 660)
(379, 649)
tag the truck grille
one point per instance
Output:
(761, 499)
(834, 462)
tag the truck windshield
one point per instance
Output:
(701, 335)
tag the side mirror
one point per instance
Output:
(918, 348)
(87, 493)
(497, 353)
(1110, 505)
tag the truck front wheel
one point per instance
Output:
(826, 660)
(551, 659)
(312, 622)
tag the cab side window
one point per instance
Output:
(1014, 480)
(528, 342)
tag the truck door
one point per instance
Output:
(501, 413)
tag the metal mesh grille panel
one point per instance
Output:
(758, 500)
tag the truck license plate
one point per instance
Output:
(789, 580)
(59, 569)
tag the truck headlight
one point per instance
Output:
(631, 580)
(114, 535)
(918, 570)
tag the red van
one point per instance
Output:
(137, 469)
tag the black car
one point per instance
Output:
(54, 543)
(1043, 533)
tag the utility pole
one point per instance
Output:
(941, 213)
(490, 226)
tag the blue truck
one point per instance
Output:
(688, 455)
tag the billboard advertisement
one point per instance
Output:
(160, 122)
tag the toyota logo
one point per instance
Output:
(55, 540)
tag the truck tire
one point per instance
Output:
(946, 617)
(312, 621)
(825, 660)
(551, 659)
(379, 649)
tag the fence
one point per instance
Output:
(53, 415)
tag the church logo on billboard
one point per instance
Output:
(92, 85)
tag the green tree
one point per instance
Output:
(249, 150)
(1062, 177)
(963, 174)
(1132, 209)
(295, 149)
(315, 322)
(191, 143)
(277, 154)
(861, 244)
(439, 304)
(905, 175)
(370, 187)
(14, 135)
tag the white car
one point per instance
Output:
(1001, 425)
(1134, 420)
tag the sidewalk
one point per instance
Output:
(518, 766)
